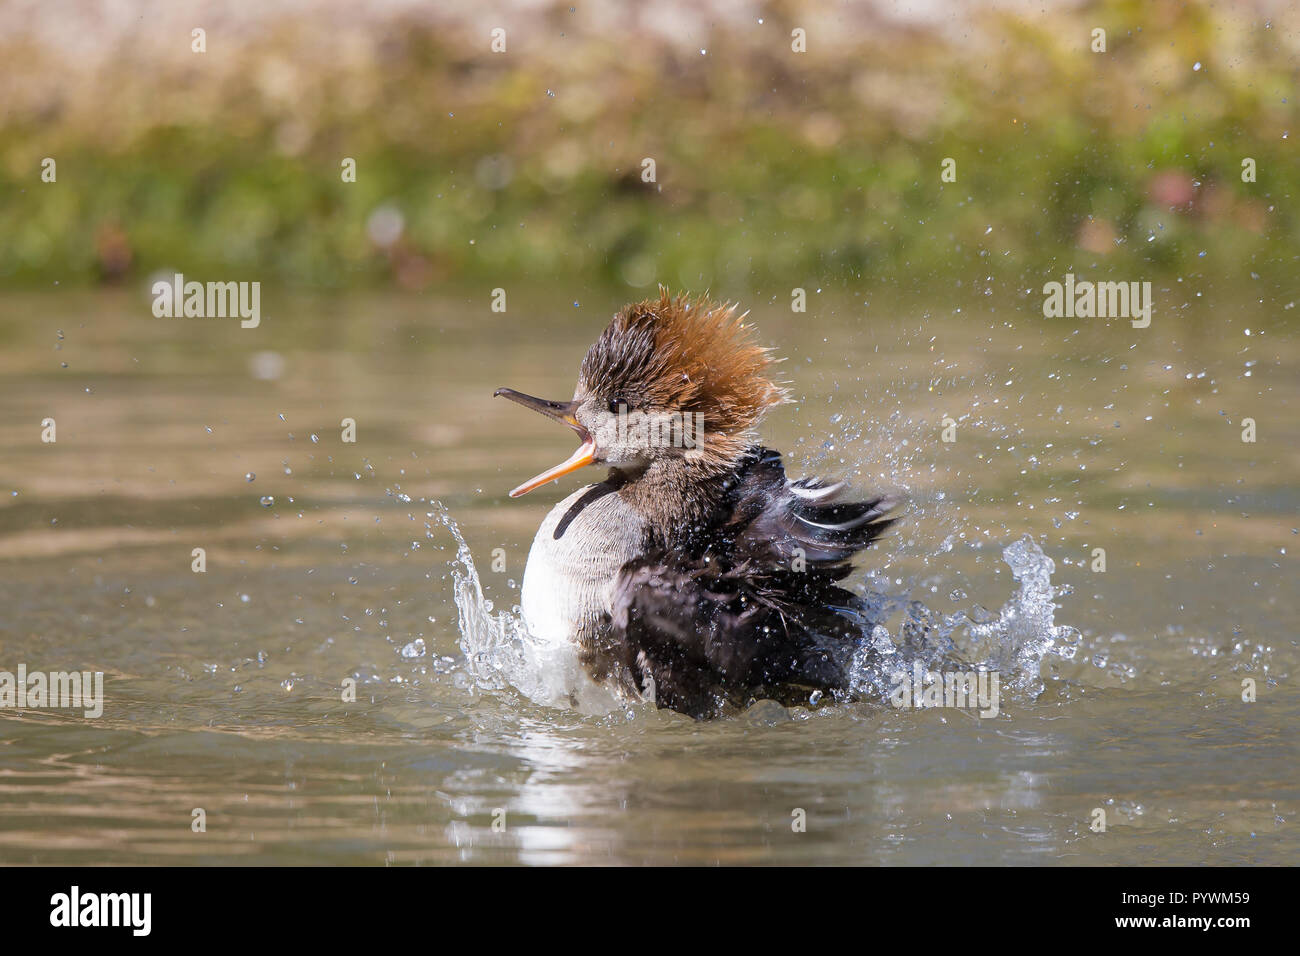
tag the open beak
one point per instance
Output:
(561, 412)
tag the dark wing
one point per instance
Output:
(779, 522)
(751, 609)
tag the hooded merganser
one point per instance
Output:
(696, 574)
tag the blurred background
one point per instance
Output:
(772, 167)
(329, 560)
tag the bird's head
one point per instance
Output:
(668, 378)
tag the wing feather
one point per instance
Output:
(751, 608)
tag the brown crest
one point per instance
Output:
(686, 355)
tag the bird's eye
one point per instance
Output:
(618, 406)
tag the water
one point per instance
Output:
(394, 562)
(500, 652)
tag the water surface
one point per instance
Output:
(329, 560)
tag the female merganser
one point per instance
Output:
(696, 574)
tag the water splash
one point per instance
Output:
(1015, 641)
(500, 653)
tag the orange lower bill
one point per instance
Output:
(585, 455)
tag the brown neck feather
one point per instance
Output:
(677, 496)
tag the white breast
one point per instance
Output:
(568, 580)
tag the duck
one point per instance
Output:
(696, 575)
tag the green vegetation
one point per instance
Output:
(772, 166)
